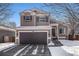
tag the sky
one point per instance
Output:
(17, 8)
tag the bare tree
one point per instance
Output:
(70, 13)
(5, 14)
(12, 24)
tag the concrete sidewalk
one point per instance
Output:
(6, 45)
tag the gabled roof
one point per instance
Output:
(34, 10)
(39, 11)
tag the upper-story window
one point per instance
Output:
(43, 18)
(27, 18)
(62, 30)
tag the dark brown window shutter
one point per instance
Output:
(46, 18)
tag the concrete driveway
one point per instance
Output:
(26, 50)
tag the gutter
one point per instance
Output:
(6, 28)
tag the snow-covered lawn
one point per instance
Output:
(5, 45)
(58, 51)
(69, 42)
(72, 50)
(69, 48)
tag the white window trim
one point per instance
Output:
(40, 20)
(27, 20)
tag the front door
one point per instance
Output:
(53, 32)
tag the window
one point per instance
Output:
(43, 19)
(62, 31)
(27, 18)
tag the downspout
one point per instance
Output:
(57, 33)
(34, 17)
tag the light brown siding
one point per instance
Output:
(34, 20)
(26, 23)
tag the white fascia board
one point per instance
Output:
(5, 28)
(53, 24)
(34, 28)
(41, 14)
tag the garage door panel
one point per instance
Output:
(23, 37)
(40, 37)
(33, 37)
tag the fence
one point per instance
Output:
(71, 37)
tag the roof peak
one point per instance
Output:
(34, 10)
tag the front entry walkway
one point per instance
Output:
(55, 42)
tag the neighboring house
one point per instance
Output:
(7, 34)
(77, 28)
(36, 27)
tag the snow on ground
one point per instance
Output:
(35, 51)
(72, 50)
(58, 51)
(18, 52)
(69, 42)
(5, 45)
(69, 48)
(26, 50)
(51, 43)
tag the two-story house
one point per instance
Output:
(36, 28)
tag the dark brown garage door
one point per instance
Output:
(33, 37)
